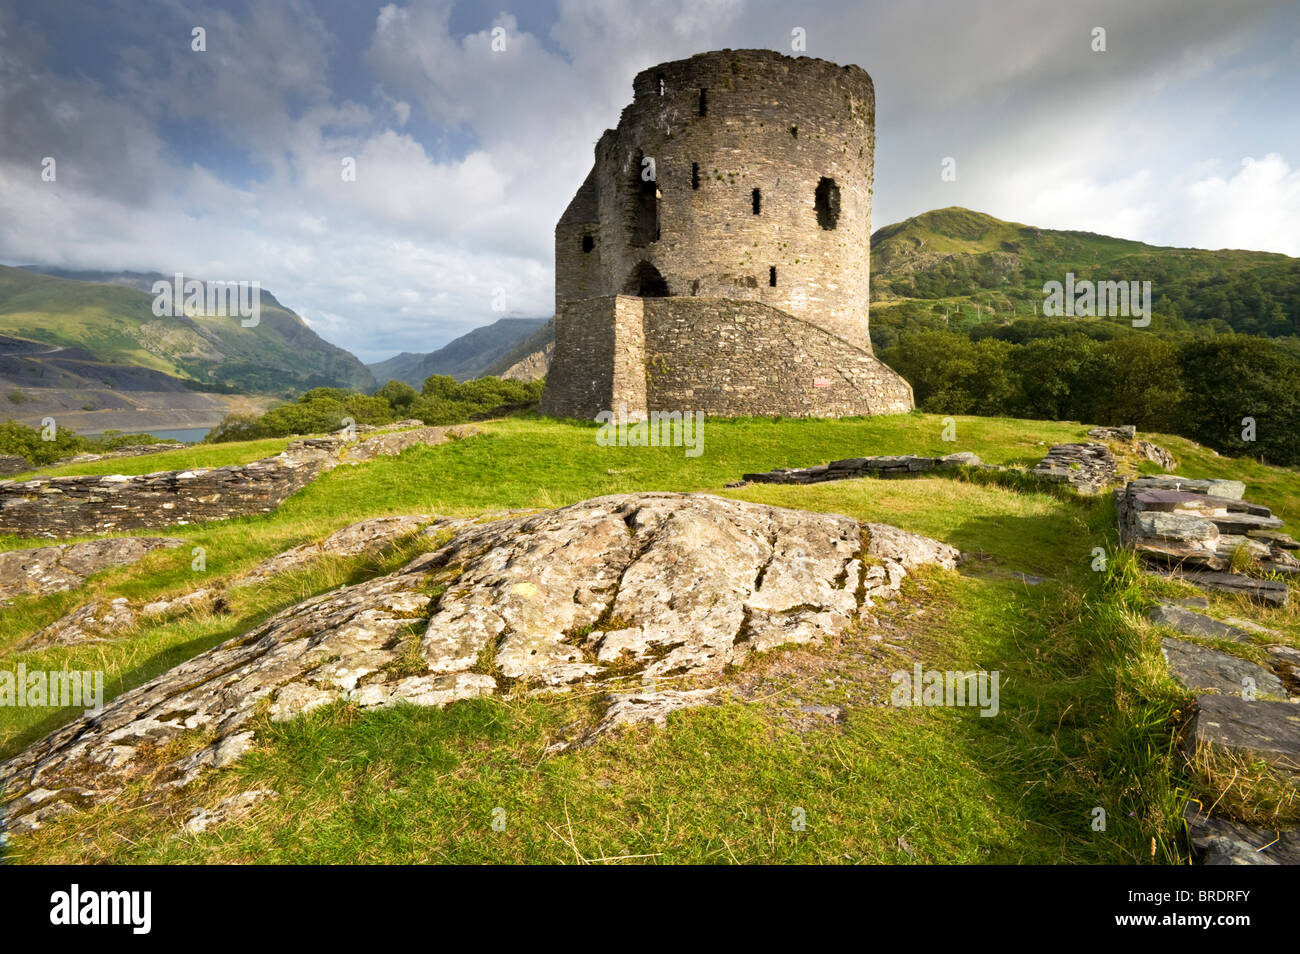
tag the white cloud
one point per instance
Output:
(1258, 208)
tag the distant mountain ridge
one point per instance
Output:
(109, 316)
(472, 355)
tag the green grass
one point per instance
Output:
(1088, 717)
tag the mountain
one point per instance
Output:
(529, 359)
(955, 257)
(107, 319)
(469, 356)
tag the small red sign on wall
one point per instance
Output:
(821, 382)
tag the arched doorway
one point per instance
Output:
(645, 282)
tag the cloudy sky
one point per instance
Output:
(227, 163)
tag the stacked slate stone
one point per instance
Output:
(13, 464)
(1088, 468)
(1193, 529)
(1127, 434)
(906, 465)
(94, 504)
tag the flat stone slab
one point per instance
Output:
(1219, 841)
(1231, 489)
(1167, 500)
(1202, 669)
(1260, 729)
(885, 465)
(1180, 528)
(1269, 592)
(1195, 624)
(1245, 523)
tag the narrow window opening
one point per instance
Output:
(588, 243)
(757, 197)
(695, 175)
(645, 220)
(827, 202)
(704, 102)
(771, 275)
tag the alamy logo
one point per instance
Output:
(75, 906)
(197, 299)
(661, 429)
(934, 687)
(1088, 299)
(57, 689)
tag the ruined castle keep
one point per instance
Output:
(717, 256)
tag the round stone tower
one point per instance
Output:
(735, 181)
(735, 174)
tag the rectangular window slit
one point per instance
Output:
(695, 175)
(704, 102)
(771, 275)
(758, 201)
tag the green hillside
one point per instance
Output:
(115, 323)
(976, 268)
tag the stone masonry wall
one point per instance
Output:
(72, 506)
(743, 357)
(599, 358)
(714, 355)
(772, 123)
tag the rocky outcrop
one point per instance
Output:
(96, 620)
(1195, 624)
(53, 569)
(1124, 432)
(361, 537)
(655, 587)
(1157, 455)
(104, 618)
(905, 465)
(1088, 468)
(532, 366)
(1257, 729)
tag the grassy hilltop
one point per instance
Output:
(1088, 716)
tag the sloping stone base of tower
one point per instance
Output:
(722, 356)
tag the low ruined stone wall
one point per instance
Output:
(74, 506)
(717, 355)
